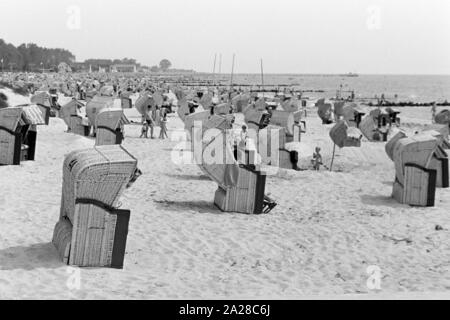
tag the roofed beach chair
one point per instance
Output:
(125, 100)
(371, 131)
(240, 102)
(286, 120)
(271, 145)
(352, 114)
(440, 158)
(95, 105)
(18, 133)
(144, 103)
(256, 119)
(92, 230)
(241, 187)
(48, 103)
(417, 160)
(345, 136)
(76, 120)
(324, 111)
(443, 117)
(110, 126)
(222, 109)
(393, 115)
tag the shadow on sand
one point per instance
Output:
(40, 255)
(189, 177)
(386, 201)
(185, 206)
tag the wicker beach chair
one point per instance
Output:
(95, 105)
(324, 112)
(418, 160)
(110, 124)
(47, 103)
(443, 117)
(345, 136)
(18, 133)
(92, 231)
(240, 102)
(272, 148)
(286, 120)
(256, 119)
(352, 114)
(125, 100)
(144, 103)
(240, 186)
(370, 130)
(76, 120)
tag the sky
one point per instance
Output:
(290, 36)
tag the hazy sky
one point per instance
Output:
(291, 36)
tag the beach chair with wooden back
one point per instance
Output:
(272, 148)
(415, 170)
(256, 119)
(110, 127)
(286, 120)
(125, 100)
(344, 136)
(324, 111)
(440, 159)
(18, 133)
(144, 104)
(94, 106)
(352, 114)
(43, 100)
(91, 230)
(76, 120)
(443, 117)
(241, 187)
(370, 130)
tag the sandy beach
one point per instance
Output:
(327, 229)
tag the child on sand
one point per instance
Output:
(162, 124)
(317, 159)
(144, 131)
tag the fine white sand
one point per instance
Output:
(327, 229)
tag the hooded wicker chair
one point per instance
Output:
(240, 186)
(375, 126)
(417, 159)
(279, 124)
(94, 106)
(272, 148)
(443, 117)
(18, 133)
(76, 121)
(125, 100)
(144, 104)
(48, 103)
(92, 231)
(345, 136)
(110, 124)
(324, 111)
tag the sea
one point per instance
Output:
(404, 88)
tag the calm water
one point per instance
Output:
(415, 88)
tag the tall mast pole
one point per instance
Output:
(262, 76)
(232, 72)
(214, 69)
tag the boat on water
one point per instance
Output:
(350, 74)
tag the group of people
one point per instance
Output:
(152, 119)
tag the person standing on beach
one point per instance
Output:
(162, 124)
(433, 113)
